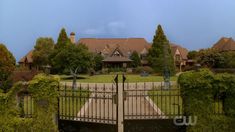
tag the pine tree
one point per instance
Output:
(62, 40)
(160, 56)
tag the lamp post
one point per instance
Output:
(166, 70)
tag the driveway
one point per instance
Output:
(101, 106)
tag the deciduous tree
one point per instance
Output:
(7, 66)
(42, 50)
(73, 59)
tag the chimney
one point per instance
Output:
(72, 37)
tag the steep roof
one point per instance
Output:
(225, 44)
(183, 51)
(124, 44)
(28, 58)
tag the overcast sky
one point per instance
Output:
(193, 24)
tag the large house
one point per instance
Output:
(117, 51)
(225, 44)
(27, 61)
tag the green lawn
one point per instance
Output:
(109, 78)
(70, 103)
(169, 101)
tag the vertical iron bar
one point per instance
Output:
(73, 102)
(153, 98)
(108, 98)
(96, 116)
(77, 107)
(117, 102)
(127, 98)
(112, 103)
(69, 90)
(123, 94)
(80, 102)
(136, 94)
(104, 103)
(161, 98)
(58, 102)
(87, 100)
(179, 103)
(66, 103)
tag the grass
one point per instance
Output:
(168, 101)
(71, 103)
(110, 78)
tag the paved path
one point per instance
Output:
(101, 106)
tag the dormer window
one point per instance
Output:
(116, 53)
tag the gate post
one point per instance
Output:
(119, 108)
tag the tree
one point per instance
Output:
(7, 66)
(42, 50)
(97, 62)
(73, 59)
(159, 56)
(192, 55)
(136, 61)
(210, 58)
(229, 59)
(62, 40)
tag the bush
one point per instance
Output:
(199, 89)
(42, 88)
(147, 69)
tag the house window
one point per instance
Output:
(116, 53)
(177, 58)
(143, 56)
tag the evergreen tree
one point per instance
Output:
(97, 62)
(135, 59)
(159, 56)
(62, 39)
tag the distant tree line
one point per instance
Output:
(212, 58)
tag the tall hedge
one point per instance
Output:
(43, 89)
(199, 91)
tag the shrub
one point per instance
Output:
(144, 68)
(199, 90)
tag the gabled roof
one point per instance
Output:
(28, 58)
(183, 51)
(127, 44)
(225, 44)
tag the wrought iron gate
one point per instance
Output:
(129, 107)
